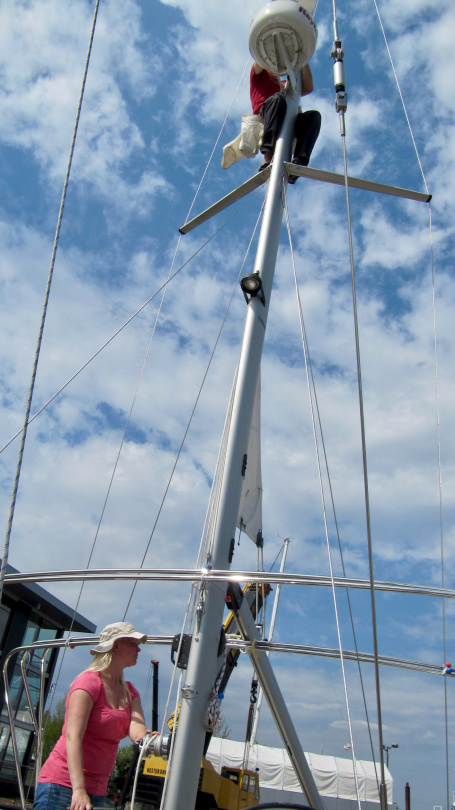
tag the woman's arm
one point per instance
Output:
(137, 725)
(79, 707)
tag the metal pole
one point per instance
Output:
(204, 664)
(155, 665)
(270, 636)
(407, 796)
(279, 710)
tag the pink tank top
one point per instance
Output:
(105, 728)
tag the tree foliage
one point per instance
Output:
(122, 762)
(221, 728)
(120, 772)
(53, 725)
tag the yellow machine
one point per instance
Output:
(233, 789)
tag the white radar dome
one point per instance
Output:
(283, 35)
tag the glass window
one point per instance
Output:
(252, 784)
(245, 782)
(4, 617)
(8, 768)
(4, 737)
(15, 688)
(23, 710)
(232, 775)
(47, 632)
(31, 632)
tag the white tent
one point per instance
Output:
(334, 776)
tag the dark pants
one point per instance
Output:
(273, 111)
(307, 126)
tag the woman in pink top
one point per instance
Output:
(101, 709)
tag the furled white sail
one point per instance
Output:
(249, 519)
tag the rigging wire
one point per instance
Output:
(321, 486)
(209, 523)
(44, 312)
(212, 509)
(335, 518)
(400, 94)
(383, 799)
(163, 288)
(217, 141)
(436, 391)
(193, 411)
(114, 469)
(341, 101)
(441, 520)
(128, 321)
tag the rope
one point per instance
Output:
(214, 710)
(324, 512)
(145, 749)
(44, 312)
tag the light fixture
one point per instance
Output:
(388, 748)
(252, 286)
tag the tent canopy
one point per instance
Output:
(334, 776)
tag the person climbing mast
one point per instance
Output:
(268, 100)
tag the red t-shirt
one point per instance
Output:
(262, 86)
(105, 728)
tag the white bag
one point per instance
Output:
(231, 153)
(246, 144)
(252, 131)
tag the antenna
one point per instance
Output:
(283, 36)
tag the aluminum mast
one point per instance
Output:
(204, 663)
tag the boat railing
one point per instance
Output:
(232, 642)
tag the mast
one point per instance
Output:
(204, 662)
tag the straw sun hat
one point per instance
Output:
(112, 632)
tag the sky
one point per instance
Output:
(162, 80)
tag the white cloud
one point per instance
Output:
(41, 93)
(114, 254)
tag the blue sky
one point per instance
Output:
(161, 80)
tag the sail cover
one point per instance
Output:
(334, 776)
(249, 518)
